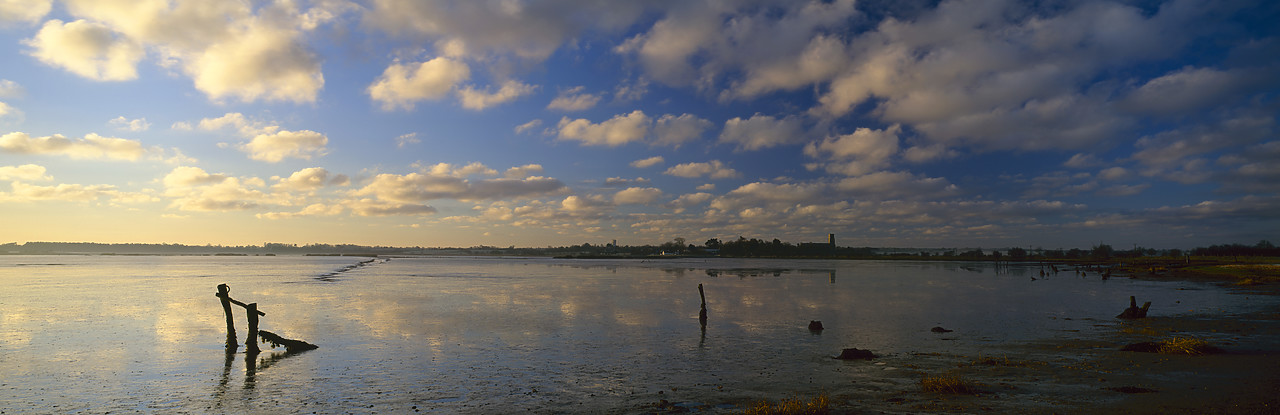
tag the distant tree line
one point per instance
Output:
(739, 248)
(743, 247)
(1262, 248)
(180, 249)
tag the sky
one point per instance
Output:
(960, 123)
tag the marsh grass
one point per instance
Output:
(1174, 345)
(953, 385)
(1241, 274)
(1185, 345)
(820, 404)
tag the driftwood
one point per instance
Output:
(1133, 312)
(939, 329)
(290, 345)
(815, 325)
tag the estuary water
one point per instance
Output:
(504, 335)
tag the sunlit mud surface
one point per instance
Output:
(500, 335)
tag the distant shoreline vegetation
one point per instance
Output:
(677, 248)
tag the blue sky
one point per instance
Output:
(533, 123)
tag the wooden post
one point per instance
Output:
(702, 315)
(251, 343)
(225, 296)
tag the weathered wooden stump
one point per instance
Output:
(1133, 312)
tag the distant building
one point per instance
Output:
(819, 247)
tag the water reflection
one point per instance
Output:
(253, 364)
(768, 272)
(481, 334)
(220, 391)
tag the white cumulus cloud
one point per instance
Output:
(92, 146)
(647, 163)
(674, 131)
(10, 89)
(23, 192)
(24, 10)
(314, 209)
(637, 196)
(477, 99)
(230, 50)
(402, 85)
(88, 49)
(858, 153)
(1191, 89)
(761, 132)
(619, 130)
(262, 61)
(187, 176)
(526, 127)
(445, 181)
(573, 99)
(404, 140)
(714, 169)
(527, 30)
(8, 112)
(310, 178)
(126, 124)
(30, 172)
(239, 122)
(520, 172)
(275, 147)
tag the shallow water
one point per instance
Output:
(486, 335)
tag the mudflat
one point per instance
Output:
(1240, 375)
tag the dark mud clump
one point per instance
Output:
(854, 354)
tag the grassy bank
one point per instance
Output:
(1234, 270)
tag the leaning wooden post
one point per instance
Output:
(224, 294)
(702, 315)
(251, 343)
